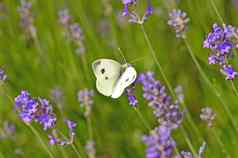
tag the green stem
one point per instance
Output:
(40, 140)
(215, 91)
(75, 150)
(222, 146)
(234, 88)
(146, 124)
(216, 11)
(89, 124)
(222, 21)
(185, 135)
(63, 152)
(152, 51)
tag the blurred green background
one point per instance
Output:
(117, 129)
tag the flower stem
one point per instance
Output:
(75, 150)
(222, 21)
(64, 154)
(185, 135)
(146, 124)
(216, 11)
(152, 51)
(208, 82)
(234, 88)
(40, 140)
(222, 146)
(89, 124)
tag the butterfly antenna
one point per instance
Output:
(121, 53)
(138, 59)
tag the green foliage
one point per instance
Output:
(39, 66)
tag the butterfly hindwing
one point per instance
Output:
(125, 80)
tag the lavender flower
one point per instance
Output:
(218, 41)
(132, 15)
(126, 4)
(90, 148)
(73, 31)
(130, 92)
(3, 76)
(167, 112)
(221, 41)
(178, 20)
(76, 35)
(229, 72)
(27, 19)
(53, 140)
(71, 125)
(38, 110)
(8, 131)
(57, 139)
(207, 115)
(64, 18)
(179, 93)
(57, 96)
(41, 111)
(104, 27)
(186, 154)
(85, 99)
(9, 128)
(159, 143)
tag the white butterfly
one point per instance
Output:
(112, 77)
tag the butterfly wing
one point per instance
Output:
(126, 79)
(107, 72)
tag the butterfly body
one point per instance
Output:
(112, 77)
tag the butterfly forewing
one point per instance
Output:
(107, 72)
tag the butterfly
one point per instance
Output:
(112, 77)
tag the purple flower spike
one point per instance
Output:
(167, 112)
(72, 31)
(186, 154)
(149, 10)
(52, 140)
(132, 15)
(57, 95)
(38, 110)
(130, 92)
(159, 143)
(64, 17)
(229, 72)
(126, 11)
(27, 19)
(9, 128)
(221, 41)
(56, 139)
(125, 2)
(208, 116)
(178, 20)
(3, 76)
(71, 125)
(85, 99)
(41, 111)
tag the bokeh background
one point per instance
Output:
(51, 61)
